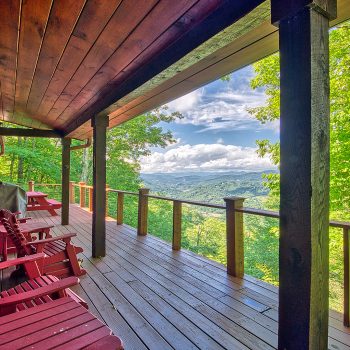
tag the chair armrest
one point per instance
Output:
(52, 239)
(39, 292)
(21, 261)
(24, 220)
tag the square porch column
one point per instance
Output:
(66, 142)
(99, 124)
(304, 203)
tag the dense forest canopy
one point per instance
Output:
(39, 159)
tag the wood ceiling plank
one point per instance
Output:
(152, 27)
(1, 109)
(157, 23)
(63, 17)
(224, 15)
(91, 23)
(34, 17)
(123, 22)
(9, 26)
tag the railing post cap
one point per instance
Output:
(144, 190)
(234, 199)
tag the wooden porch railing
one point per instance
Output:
(234, 226)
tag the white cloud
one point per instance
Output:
(220, 140)
(205, 157)
(221, 111)
(186, 102)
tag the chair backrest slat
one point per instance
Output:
(13, 230)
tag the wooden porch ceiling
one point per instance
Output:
(61, 62)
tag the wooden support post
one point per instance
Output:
(91, 194)
(234, 237)
(346, 241)
(31, 186)
(100, 124)
(65, 180)
(71, 192)
(304, 203)
(120, 208)
(82, 194)
(177, 220)
(142, 222)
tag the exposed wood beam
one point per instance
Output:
(65, 180)
(30, 132)
(226, 14)
(304, 201)
(100, 124)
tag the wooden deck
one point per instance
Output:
(155, 298)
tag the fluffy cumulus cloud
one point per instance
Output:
(205, 157)
(222, 106)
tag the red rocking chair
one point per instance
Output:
(60, 255)
(37, 289)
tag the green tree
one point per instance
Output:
(40, 159)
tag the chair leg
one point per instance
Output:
(73, 260)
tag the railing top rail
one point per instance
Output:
(276, 215)
(202, 204)
(125, 192)
(47, 184)
(245, 210)
(261, 212)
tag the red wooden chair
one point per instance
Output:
(60, 255)
(31, 230)
(48, 317)
(38, 289)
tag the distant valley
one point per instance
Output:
(206, 186)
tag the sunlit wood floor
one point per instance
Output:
(155, 298)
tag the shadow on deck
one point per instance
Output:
(155, 298)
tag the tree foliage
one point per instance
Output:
(39, 159)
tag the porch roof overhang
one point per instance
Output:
(61, 63)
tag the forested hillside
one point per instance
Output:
(208, 187)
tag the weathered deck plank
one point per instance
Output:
(156, 298)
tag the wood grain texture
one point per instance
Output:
(194, 294)
(177, 227)
(234, 237)
(63, 17)
(103, 60)
(89, 26)
(66, 142)
(100, 124)
(9, 28)
(144, 34)
(304, 209)
(142, 221)
(34, 17)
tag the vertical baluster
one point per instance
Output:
(31, 186)
(82, 194)
(142, 212)
(91, 193)
(120, 208)
(71, 192)
(177, 220)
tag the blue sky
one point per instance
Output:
(217, 133)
